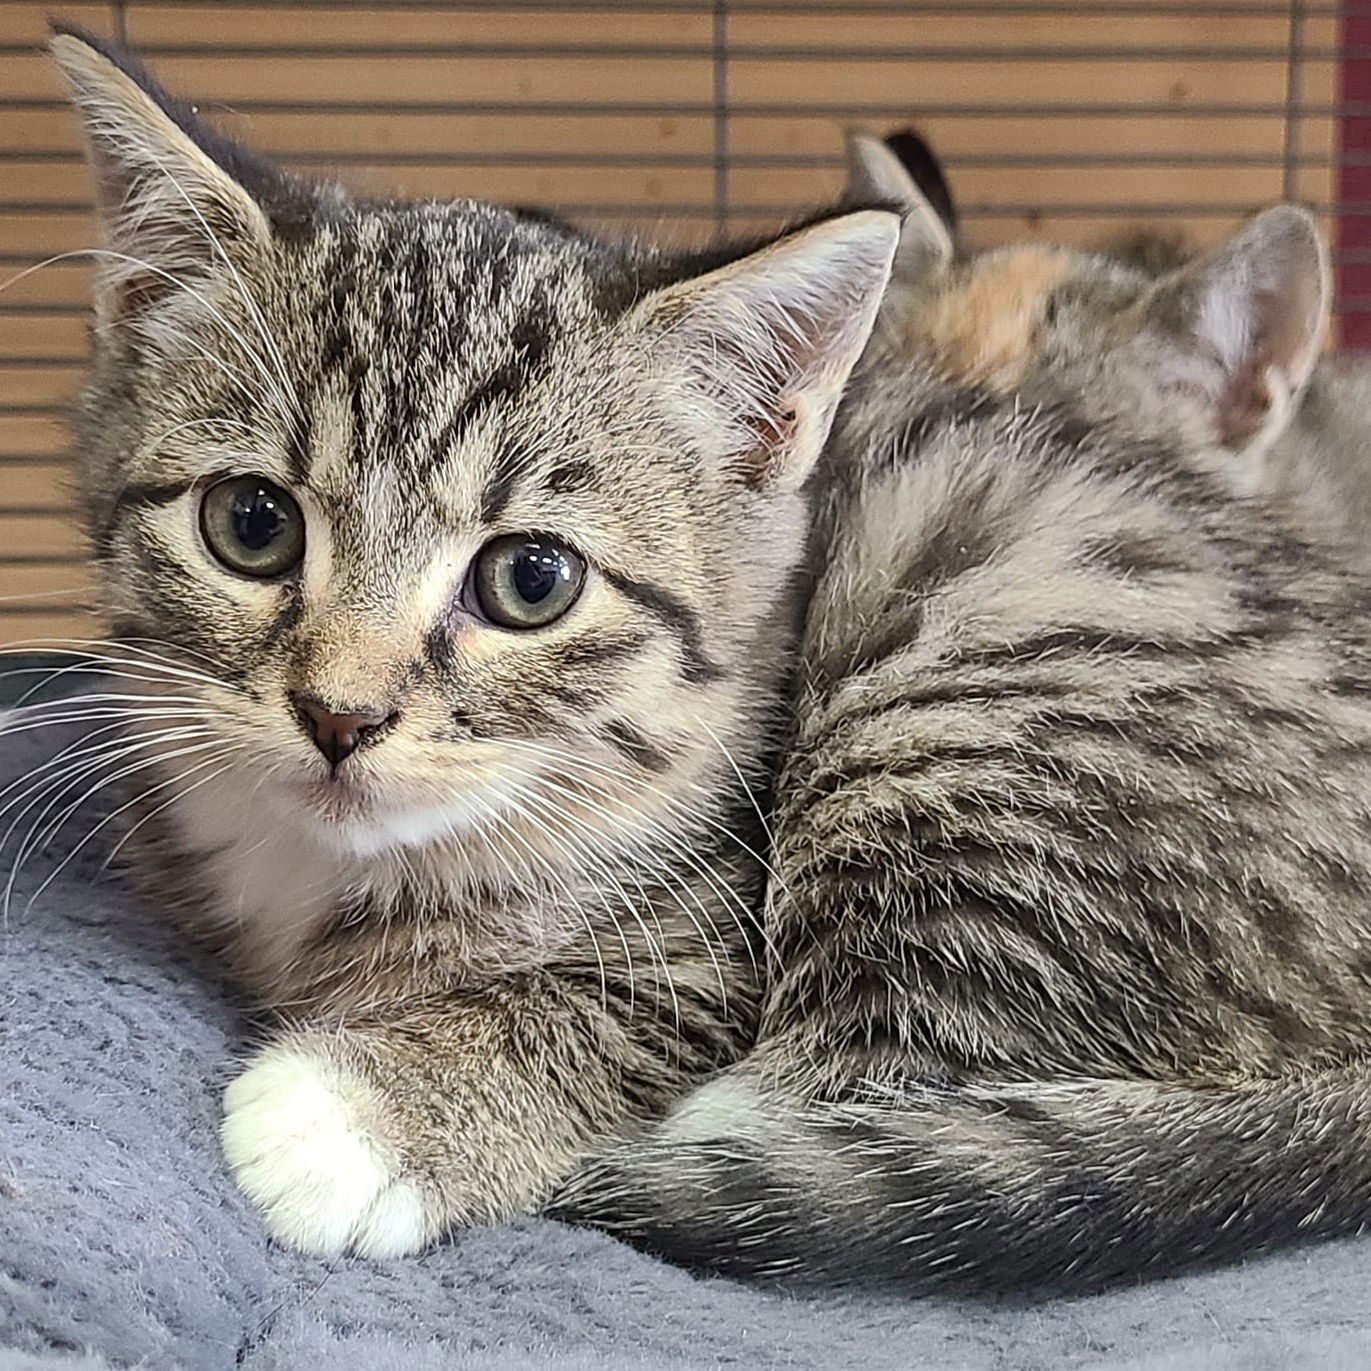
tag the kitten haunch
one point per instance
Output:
(1071, 923)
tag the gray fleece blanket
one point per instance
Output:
(123, 1243)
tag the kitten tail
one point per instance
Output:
(1057, 1186)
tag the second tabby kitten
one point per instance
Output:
(1072, 912)
(1316, 455)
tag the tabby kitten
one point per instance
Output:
(460, 557)
(1071, 918)
(1315, 453)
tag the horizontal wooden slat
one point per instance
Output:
(43, 434)
(1170, 84)
(61, 283)
(1068, 10)
(210, 26)
(341, 137)
(36, 235)
(22, 386)
(42, 335)
(45, 129)
(506, 80)
(39, 535)
(49, 183)
(39, 630)
(826, 31)
(329, 26)
(389, 132)
(34, 485)
(1008, 136)
(666, 80)
(51, 587)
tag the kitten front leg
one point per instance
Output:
(376, 1135)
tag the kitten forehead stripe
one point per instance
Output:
(509, 465)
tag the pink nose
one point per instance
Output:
(339, 733)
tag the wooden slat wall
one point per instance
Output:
(676, 117)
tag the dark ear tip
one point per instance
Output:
(908, 140)
(58, 27)
(68, 28)
(921, 164)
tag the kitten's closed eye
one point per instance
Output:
(253, 526)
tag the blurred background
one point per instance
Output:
(679, 119)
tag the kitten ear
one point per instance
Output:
(877, 172)
(1244, 324)
(925, 169)
(767, 343)
(171, 192)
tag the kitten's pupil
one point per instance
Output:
(258, 520)
(537, 572)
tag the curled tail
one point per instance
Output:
(1062, 1186)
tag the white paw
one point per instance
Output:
(296, 1135)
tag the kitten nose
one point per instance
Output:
(337, 734)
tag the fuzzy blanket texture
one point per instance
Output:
(123, 1243)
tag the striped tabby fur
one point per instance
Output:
(1071, 921)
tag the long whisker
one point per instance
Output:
(92, 655)
(79, 749)
(190, 731)
(30, 595)
(744, 917)
(578, 851)
(742, 781)
(674, 802)
(574, 902)
(64, 783)
(113, 815)
(671, 889)
(23, 721)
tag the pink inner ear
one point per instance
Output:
(757, 466)
(1246, 404)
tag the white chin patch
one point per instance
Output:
(367, 835)
(296, 1137)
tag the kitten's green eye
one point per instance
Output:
(526, 580)
(253, 526)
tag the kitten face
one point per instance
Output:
(393, 425)
(506, 518)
